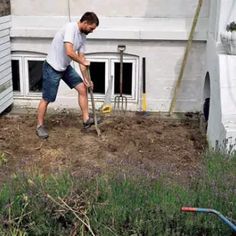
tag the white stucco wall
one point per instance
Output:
(157, 30)
(221, 69)
(110, 8)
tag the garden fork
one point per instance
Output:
(120, 102)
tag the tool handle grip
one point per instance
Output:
(189, 209)
(89, 77)
(198, 209)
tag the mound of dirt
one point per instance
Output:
(130, 144)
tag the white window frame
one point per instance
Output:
(24, 74)
(134, 78)
(27, 91)
(21, 92)
(108, 59)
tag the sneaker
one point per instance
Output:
(41, 132)
(90, 122)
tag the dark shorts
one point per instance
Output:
(51, 80)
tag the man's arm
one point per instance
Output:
(74, 56)
(84, 71)
(83, 63)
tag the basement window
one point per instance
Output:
(26, 75)
(98, 75)
(35, 72)
(15, 65)
(126, 78)
(130, 77)
(106, 68)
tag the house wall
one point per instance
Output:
(156, 30)
(110, 8)
(6, 94)
(220, 66)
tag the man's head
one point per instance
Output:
(88, 22)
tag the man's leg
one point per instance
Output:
(42, 109)
(73, 80)
(51, 79)
(83, 100)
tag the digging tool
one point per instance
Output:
(93, 104)
(120, 102)
(207, 210)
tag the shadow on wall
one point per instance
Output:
(206, 96)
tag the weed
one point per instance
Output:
(3, 159)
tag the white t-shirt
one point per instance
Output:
(57, 57)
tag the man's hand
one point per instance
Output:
(88, 83)
(91, 85)
(86, 63)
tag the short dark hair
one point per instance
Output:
(90, 17)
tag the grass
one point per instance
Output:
(115, 205)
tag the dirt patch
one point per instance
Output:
(131, 144)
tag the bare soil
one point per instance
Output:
(130, 144)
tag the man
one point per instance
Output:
(67, 45)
